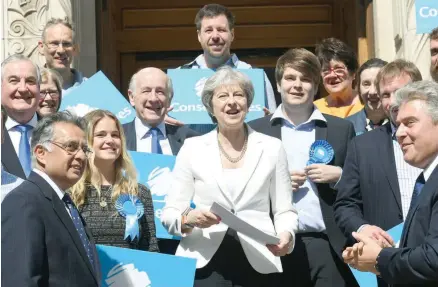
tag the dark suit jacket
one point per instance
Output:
(368, 192)
(359, 121)
(415, 263)
(10, 160)
(175, 134)
(40, 244)
(338, 132)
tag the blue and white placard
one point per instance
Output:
(188, 85)
(367, 279)
(155, 172)
(426, 15)
(98, 93)
(123, 267)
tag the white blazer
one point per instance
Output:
(265, 182)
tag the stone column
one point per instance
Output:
(395, 34)
(23, 22)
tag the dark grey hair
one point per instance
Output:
(133, 85)
(43, 132)
(225, 76)
(56, 21)
(18, 58)
(426, 91)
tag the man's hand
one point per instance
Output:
(171, 121)
(362, 255)
(323, 173)
(376, 233)
(266, 111)
(282, 247)
(202, 218)
(298, 178)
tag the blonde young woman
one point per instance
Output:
(108, 193)
(51, 92)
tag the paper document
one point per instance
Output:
(241, 226)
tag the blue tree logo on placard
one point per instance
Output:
(159, 181)
(80, 110)
(199, 86)
(127, 276)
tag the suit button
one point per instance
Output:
(400, 216)
(232, 211)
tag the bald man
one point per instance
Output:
(150, 93)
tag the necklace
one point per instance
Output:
(242, 153)
(103, 202)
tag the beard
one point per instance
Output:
(434, 71)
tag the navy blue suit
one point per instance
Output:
(416, 261)
(40, 244)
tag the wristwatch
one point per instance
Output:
(184, 224)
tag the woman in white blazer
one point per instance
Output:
(243, 171)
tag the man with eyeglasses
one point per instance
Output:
(45, 242)
(58, 47)
(20, 98)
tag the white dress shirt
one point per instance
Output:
(144, 139)
(15, 135)
(297, 141)
(55, 187)
(406, 175)
(428, 170)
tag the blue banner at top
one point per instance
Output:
(426, 15)
(188, 85)
(98, 93)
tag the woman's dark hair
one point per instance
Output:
(371, 63)
(334, 49)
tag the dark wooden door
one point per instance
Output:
(133, 34)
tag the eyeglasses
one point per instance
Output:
(72, 148)
(55, 44)
(53, 94)
(339, 71)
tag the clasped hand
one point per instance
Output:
(318, 173)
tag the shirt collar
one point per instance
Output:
(428, 170)
(55, 187)
(315, 116)
(11, 123)
(141, 128)
(200, 61)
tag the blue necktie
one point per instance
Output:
(419, 184)
(24, 148)
(77, 221)
(156, 133)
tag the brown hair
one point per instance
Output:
(212, 11)
(301, 60)
(334, 49)
(396, 69)
(434, 34)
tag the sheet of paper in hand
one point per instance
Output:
(234, 222)
(98, 93)
(188, 85)
(123, 267)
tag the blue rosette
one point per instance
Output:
(131, 208)
(320, 152)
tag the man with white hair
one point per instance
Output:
(20, 98)
(150, 93)
(415, 262)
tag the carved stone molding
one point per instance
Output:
(23, 24)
